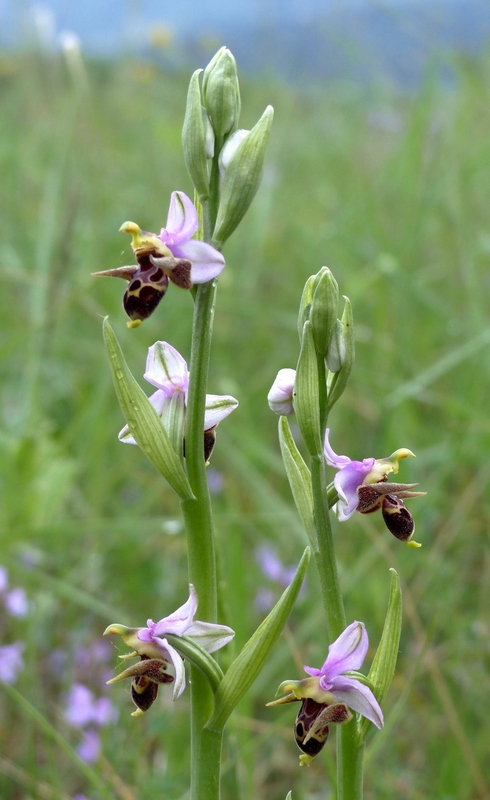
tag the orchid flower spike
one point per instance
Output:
(156, 653)
(328, 694)
(167, 370)
(362, 486)
(171, 255)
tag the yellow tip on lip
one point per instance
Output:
(130, 227)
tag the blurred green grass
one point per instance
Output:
(390, 190)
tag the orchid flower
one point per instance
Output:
(328, 694)
(362, 486)
(280, 397)
(156, 652)
(167, 370)
(170, 255)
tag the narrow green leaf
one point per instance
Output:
(249, 662)
(299, 478)
(143, 420)
(384, 662)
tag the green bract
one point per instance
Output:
(337, 381)
(384, 662)
(242, 178)
(143, 420)
(299, 478)
(307, 401)
(250, 661)
(195, 138)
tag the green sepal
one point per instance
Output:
(337, 381)
(299, 478)
(248, 664)
(289, 796)
(197, 656)
(306, 399)
(384, 662)
(324, 308)
(194, 138)
(242, 179)
(305, 305)
(142, 419)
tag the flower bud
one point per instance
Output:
(221, 93)
(197, 138)
(242, 178)
(324, 307)
(337, 381)
(280, 397)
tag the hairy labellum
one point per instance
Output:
(397, 517)
(311, 728)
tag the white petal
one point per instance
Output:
(218, 406)
(166, 369)
(209, 635)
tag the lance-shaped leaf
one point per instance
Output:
(384, 662)
(143, 420)
(250, 661)
(306, 399)
(299, 478)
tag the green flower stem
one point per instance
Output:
(205, 745)
(350, 754)
(350, 762)
(325, 553)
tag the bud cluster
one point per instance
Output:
(217, 154)
(325, 360)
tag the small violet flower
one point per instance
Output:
(328, 694)
(280, 397)
(82, 709)
(156, 652)
(11, 661)
(171, 255)
(362, 486)
(167, 370)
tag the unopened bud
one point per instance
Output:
(324, 308)
(280, 397)
(221, 93)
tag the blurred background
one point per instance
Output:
(378, 167)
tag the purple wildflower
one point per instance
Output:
(11, 661)
(156, 652)
(171, 255)
(363, 486)
(89, 748)
(16, 602)
(329, 692)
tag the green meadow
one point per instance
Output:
(391, 190)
